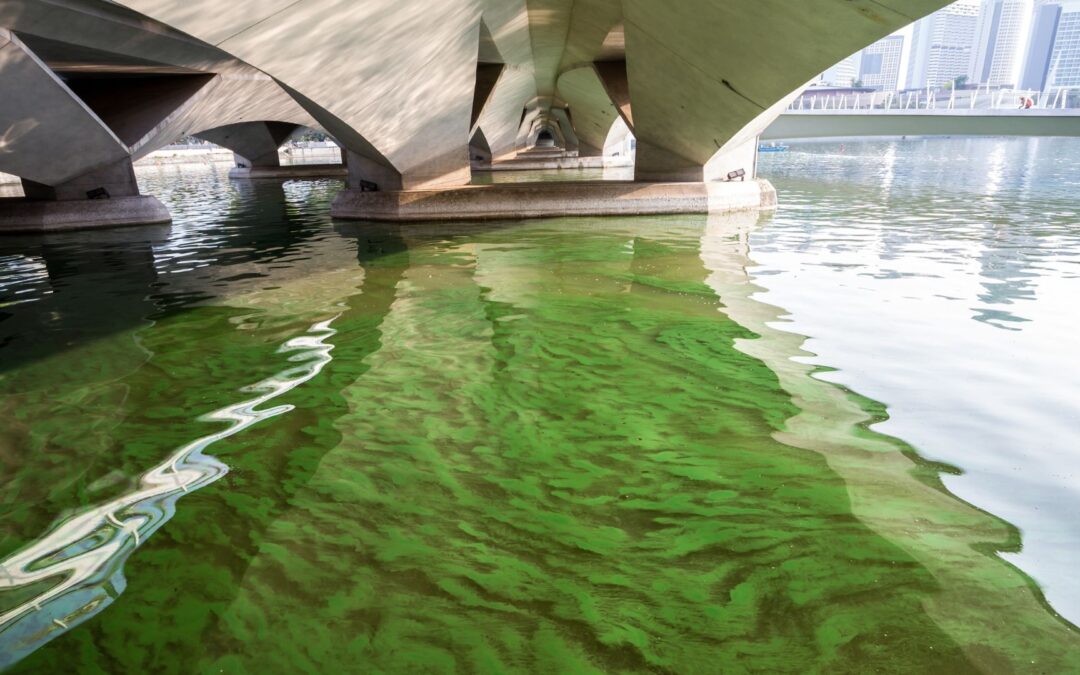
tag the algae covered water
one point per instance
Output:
(260, 441)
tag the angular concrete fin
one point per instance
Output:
(489, 68)
(566, 126)
(133, 105)
(479, 149)
(612, 75)
(281, 131)
(488, 51)
(487, 75)
(47, 135)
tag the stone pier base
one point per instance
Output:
(18, 215)
(295, 171)
(550, 200)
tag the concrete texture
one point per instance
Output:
(24, 216)
(548, 200)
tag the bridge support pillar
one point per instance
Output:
(255, 149)
(106, 197)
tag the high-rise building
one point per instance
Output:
(1064, 68)
(1002, 41)
(880, 67)
(943, 45)
(1044, 29)
(1065, 62)
(843, 74)
(1053, 55)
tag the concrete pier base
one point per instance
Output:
(290, 172)
(550, 200)
(25, 216)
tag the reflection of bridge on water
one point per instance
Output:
(922, 113)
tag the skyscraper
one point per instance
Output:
(1064, 68)
(880, 67)
(1002, 40)
(1053, 55)
(943, 45)
(843, 74)
(1044, 29)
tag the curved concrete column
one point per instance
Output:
(254, 143)
(616, 138)
(501, 119)
(227, 100)
(398, 73)
(566, 128)
(590, 108)
(505, 40)
(699, 72)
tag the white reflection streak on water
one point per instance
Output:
(995, 171)
(97, 541)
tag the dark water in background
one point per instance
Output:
(261, 441)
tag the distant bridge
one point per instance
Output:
(817, 114)
(941, 122)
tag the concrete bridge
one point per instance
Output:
(832, 123)
(413, 90)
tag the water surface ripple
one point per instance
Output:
(941, 277)
(580, 445)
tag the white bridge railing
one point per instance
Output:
(939, 99)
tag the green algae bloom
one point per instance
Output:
(575, 446)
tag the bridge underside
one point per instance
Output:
(413, 91)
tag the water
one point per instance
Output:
(260, 441)
(906, 245)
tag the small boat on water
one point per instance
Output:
(772, 147)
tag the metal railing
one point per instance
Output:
(939, 99)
